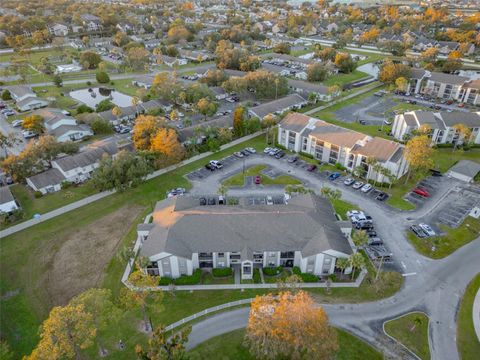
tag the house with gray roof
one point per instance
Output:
(279, 106)
(464, 170)
(306, 88)
(186, 236)
(441, 125)
(7, 201)
(46, 182)
(444, 86)
(61, 125)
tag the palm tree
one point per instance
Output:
(360, 237)
(342, 264)
(371, 162)
(377, 167)
(356, 261)
(325, 191)
(222, 190)
(360, 171)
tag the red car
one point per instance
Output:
(421, 192)
(258, 179)
(312, 168)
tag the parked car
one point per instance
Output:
(461, 105)
(124, 130)
(244, 152)
(382, 196)
(17, 123)
(27, 134)
(435, 172)
(292, 159)
(351, 213)
(274, 151)
(357, 185)
(251, 150)
(238, 154)
(258, 180)
(203, 201)
(348, 181)
(421, 192)
(216, 164)
(366, 188)
(267, 150)
(269, 200)
(427, 229)
(312, 167)
(280, 155)
(374, 241)
(211, 201)
(210, 167)
(334, 176)
(418, 231)
(9, 113)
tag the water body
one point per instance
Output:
(92, 96)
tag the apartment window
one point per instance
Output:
(334, 149)
(221, 255)
(272, 254)
(287, 254)
(319, 149)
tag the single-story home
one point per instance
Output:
(464, 170)
(7, 201)
(279, 106)
(46, 182)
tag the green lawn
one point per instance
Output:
(342, 79)
(467, 341)
(440, 246)
(31, 205)
(125, 86)
(273, 279)
(341, 207)
(62, 100)
(239, 178)
(229, 347)
(208, 278)
(412, 331)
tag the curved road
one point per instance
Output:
(432, 286)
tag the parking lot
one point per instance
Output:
(370, 110)
(432, 185)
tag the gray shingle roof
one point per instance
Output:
(277, 105)
(85, 158)
(469, 119)
(466, 167)
(5, 195)
(306, 224)
(308, 87)
(448, 78)
(47, 178)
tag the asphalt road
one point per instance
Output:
(432, 286)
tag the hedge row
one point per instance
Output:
(272, 271)
(306, 277)
(182, 280)
(256, 276)
(222, 272)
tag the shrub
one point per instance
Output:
(84, 109)
(37, 194)
(102, 77)
(165, 281)
(332, 277)
(89, 83)
(100, 126)
(6, 95)
(279, 146)
(222, 272)
(272, 271)
(340, 166)
(256, 276)
(306, 277)
(307, 155)
(189, 280)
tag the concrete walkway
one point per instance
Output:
(90, 199)
(476, 314)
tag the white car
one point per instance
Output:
(269, 200)
(251, 150)
(428, 230)
(27, 134)
(351, 213)
(357, 185)
(216, 164)
(366, 188)
(17, 123)
(267, 150)
(348, 181)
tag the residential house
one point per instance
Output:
(46, 182)
(154, 104)
(127, 113)
(219, 92)
(306, 88)
(333, 144)
(91, 22)
(58, 29)
(125, 27)
(7, 201)
(440, 124)
(185, 236)
(62, 126)
(444, 86)
(144, 81)
(171, 61)
(279, 106)
(25, 98)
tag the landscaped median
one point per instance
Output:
(239, 178)
(410, 330)
(467, 341)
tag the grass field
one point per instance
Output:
(412, 331)
(341, 207)
(467, 341)
(342, 79)
(125, 86)
(239, 178)
(440, 246)
(230, 347)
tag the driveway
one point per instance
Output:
(432, 286)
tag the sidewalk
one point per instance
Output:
(88, 200)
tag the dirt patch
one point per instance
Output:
(80, 262)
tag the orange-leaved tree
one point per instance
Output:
(289, 326)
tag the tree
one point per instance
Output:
(289, 326)
(222, 190)
(401, 83)
(101, 126)
(342, 264)
(137, 58)
(429, 54)
(464, 134)
(34, 123)
(116, 111)
(455, 55)
(165, 141)
(225, 135)
(102, 77)
(451, 66)
(316, 72)
(7, 141)
(90, 59)
(389, 72)
(142, 297)
(360, 237)
(238, 116)
(327, 54)
(418, 154)
(145, 128)
(163, 346)
(57, 80)
(207, 107)
(356, 261)
(345, 63)
(98, 303)
(104, 105)
(6, 95)
(65, 332)
(5, 351)
(282, 48)
(121, 173)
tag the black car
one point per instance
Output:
(211, 201)
(375, 241)
(435, 172)
(364, 226)
(210, 167)
(417, 230)
(371, 233)
(279, 155)
(382, 196)
(203, 201)
(245, 152)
